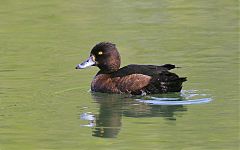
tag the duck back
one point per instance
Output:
(139, 79)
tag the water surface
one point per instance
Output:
(43, 98)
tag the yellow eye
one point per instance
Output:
(100, 53)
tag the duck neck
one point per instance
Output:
(107, 71)
(110, 65)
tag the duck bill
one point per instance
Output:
(89, 62)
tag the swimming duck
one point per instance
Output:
(132, 79)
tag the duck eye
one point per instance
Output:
(100, 53)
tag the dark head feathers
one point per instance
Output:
(103, 46)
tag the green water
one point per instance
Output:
(42, 96)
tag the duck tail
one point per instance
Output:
(169, 66)
(164, 85)
(172, 86)
(182, 79)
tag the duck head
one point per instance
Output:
(105, 56)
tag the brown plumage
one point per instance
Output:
(133, 83)
(133, 79)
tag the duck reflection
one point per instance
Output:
(112, 107)
(108, 121)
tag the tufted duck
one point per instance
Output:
(133, 79)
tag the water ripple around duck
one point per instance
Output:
(187, 97)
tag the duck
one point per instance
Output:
(134, 79)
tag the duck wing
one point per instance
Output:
(162, 80)
(150, 70)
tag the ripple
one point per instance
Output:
(88, 117)
(170, 102)
(190, 97)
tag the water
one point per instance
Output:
(45, 103)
